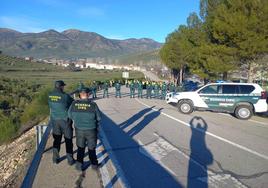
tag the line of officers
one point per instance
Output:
(153, 89)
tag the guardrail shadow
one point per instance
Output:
(200, 156)
(135, 117)
(134, 168)
(145, 121)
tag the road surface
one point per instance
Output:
(148, 143)
(153, 145)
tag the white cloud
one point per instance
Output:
(117, 37)
(21, 24)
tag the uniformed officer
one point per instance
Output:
(148, 90)
(172, 87)
(163, 90)
(59, 103)
(118, 89)
(132, 89)
(105, 89)
(156, 90)
(94, 90)
(86, 117)
(140, 88)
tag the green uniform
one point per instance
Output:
(149, 90)
(163, 91)
(85, 114)
(94, 90)
(172, 88)
(86, 117)
(117, 89)
(105, 90)
(156, 90)
(140, 89)
(132, 90)
(59, 103)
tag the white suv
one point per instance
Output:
(240, 99)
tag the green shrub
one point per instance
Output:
(38, 108)
(7, 128)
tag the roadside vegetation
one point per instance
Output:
(225, 36)
(24, 87)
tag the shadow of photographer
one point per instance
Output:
(200, 156)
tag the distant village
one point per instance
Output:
(101, 63)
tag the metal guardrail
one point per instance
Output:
(32, 170)
(40, 131)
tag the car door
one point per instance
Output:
(210, 95)
(230, 94)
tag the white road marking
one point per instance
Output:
(161, 148)
(106, 179)
(156, 152)
(209, 133)
(248, 120)
(258, 122)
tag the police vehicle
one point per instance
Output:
(240, 99)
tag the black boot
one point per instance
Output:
(80, 158)
(93, 159)
(69, 150)
(56, 148)
(56, 156)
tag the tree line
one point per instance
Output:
(225, 36)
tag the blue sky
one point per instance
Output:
(119, 19)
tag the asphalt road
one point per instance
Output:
(153, 145)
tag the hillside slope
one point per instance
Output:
(70, 43)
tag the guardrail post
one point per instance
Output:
(40, 130)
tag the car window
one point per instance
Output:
(246, 89)
(230, 89)
(211, 89)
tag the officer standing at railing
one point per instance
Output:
(118, 89)
(140, 88)
(163, 90)
(59, 103)
(86, 116)
(132, 89)
(105, 89)
(94, 90)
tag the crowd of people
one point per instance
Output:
(82, 113)
(152, 89)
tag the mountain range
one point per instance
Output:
(70, 43)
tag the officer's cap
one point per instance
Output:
(84, 90)
(59, 83)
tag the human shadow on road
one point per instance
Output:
(135, 117)
(134, 167)
(200, 156)
(145, 121)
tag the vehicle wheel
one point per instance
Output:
(243, 112)
(185, 107)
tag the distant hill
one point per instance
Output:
(71, 43)
(141, 58)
